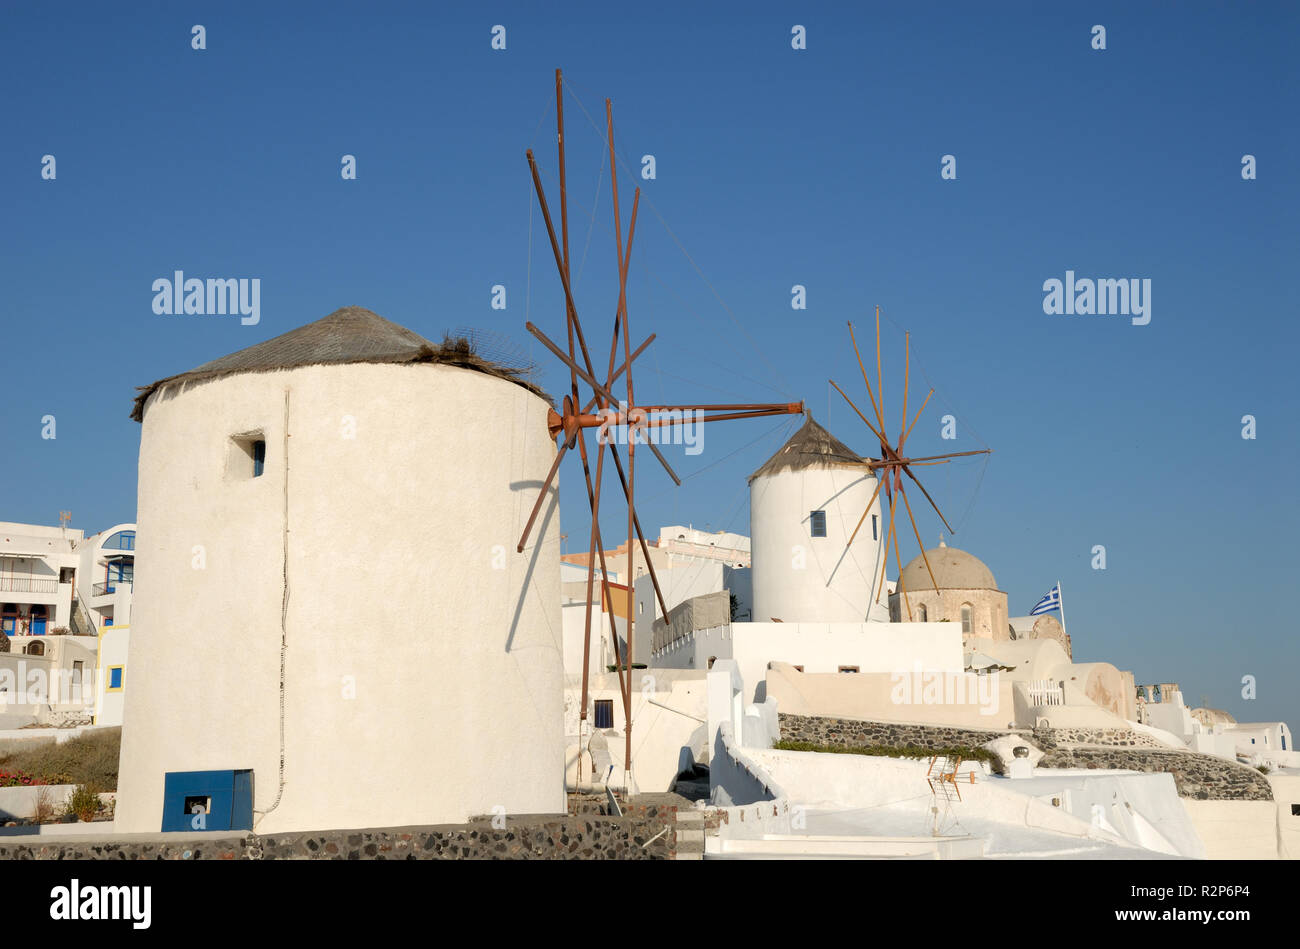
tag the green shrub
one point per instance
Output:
(90, 758)
(84, 802)
(886, 751)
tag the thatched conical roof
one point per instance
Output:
(810, 447)
(352, 334)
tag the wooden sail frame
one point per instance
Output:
(893, 464)
(576, 416)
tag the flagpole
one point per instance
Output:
(1061, 602)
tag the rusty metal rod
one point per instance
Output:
(908, 472)
(559, 263)
(636, 520)
(874, 494)
(879, 418)
(559, 354)
(907, 504)
(537, 505)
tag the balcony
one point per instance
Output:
(102, 589)
(28, 585)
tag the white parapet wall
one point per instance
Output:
(1235, 830)
(20, 803)
(1115, 808)
(915, 696)
(1286, 797)
(752, 803)
(882, 648)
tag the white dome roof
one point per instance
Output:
(953, 570)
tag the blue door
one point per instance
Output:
(38, 621)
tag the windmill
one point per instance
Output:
(570, 424)
(893, 464)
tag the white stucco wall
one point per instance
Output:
(601, 653)
(423, 662)
(824, 647)
(1266, 743)
(967, 700)
(1139, 809)
(679, 583)
(1172, 716)
(821, 648)
(1235, 830)
(801, 578)
(668, 714)
(1286, 795)
(114, 644)
(686, 579)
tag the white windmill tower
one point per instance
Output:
(806, 504)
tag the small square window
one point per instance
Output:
(604, 713)
(1295, 810)
(246, 456)
(198, 804)
(817, 522)
(115, 674)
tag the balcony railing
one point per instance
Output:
(99, 589)
(1045, 692)
(28, 585)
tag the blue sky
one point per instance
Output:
(775, 167)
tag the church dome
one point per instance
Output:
(953, 570)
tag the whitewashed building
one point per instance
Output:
(61, 592)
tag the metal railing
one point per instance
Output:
(99, 589)
(28, 585)
(82, 623)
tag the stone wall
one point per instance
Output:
(1197, 776)
(853, 733)
(646, 832)
(1049, 738)
(1200, 777)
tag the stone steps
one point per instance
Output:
(690, 835)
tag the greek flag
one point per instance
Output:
(1048, 603)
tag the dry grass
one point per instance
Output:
(44, 805)
(90, 759)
